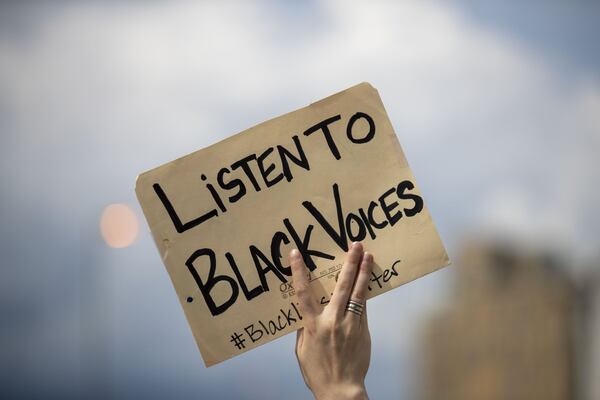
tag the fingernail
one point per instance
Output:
(355, 244)
(368, 257)
(294, 253)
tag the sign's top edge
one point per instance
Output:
(332, 97)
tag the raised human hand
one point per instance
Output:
(334, 347)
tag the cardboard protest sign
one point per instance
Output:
(224, 218)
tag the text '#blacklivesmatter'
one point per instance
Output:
(384, 211)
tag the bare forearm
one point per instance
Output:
(350, 392)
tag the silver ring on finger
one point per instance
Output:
(355, 307)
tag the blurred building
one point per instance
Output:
(588, 335)
(509, 331)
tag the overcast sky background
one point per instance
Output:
(497, 108)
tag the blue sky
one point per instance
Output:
(497, 109)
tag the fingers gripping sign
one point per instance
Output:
(359, 291)
(334, 347)
(307, 301)
(343, 287)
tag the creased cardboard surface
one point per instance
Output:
(350, 169)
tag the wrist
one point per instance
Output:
(342, 392)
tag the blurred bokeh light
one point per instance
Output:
(119, 226)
